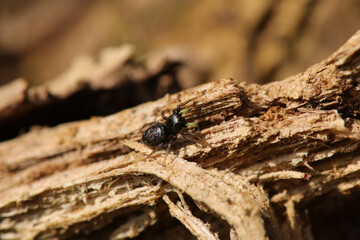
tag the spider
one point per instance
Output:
(160, 134)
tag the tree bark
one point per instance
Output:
(277, 151)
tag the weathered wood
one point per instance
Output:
(297, 139)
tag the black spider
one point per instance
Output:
(161, 134)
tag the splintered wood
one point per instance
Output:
(275, 151)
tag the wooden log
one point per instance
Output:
(276, 150)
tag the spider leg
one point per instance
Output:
(177, 109)
(163, 116)
(195, 137)
(169, 146)
(187, 137)
(154, 150)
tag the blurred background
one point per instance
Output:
(254, 41)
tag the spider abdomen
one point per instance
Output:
(156, 135)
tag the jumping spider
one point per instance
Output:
(160, 134)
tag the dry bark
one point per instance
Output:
(276, 150)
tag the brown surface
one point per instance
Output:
(277, 153)
(254, 41)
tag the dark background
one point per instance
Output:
(253, 41)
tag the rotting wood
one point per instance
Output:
(78, 177)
